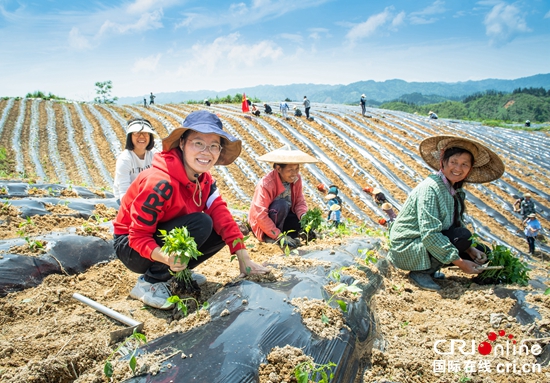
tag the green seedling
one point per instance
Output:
(3, 190)
(311, 221)
(242, 241)
(131, 343)
(369, 255)
(547, 291)
(514, 270)
(178, 242)
(309, 371)
(404, 324)
(182, 306)
(341, 287)
(336, 273)
(5, 207)
(63, 203)
(283, 242)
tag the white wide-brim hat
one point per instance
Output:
(285, 155)
(487, 165)
(141, 125)
(335, 207)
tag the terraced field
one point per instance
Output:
(79, 143)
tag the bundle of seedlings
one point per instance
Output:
(310, 222)
(183, 247)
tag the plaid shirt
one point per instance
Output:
(417, 230)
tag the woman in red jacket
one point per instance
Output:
(278, 202)
(177, 191)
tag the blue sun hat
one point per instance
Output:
(205, 122)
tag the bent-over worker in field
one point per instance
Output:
(177, 191)
(278, 203)
(429, 231)
(335, 206)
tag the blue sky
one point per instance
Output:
(144, 46)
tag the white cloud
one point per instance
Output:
(146, 64)
(503, 23)
(142, 6)
(147, 21)
(398, 20)
(228, 52)
(77, 41)
(317, 33)
(426, 16)
(370, 26)
(295, 38)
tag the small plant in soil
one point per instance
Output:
(130, 344)
(23, 232)
(311, 221)
(309, 371)
(369, 255)
(179, 243)
(181, 304)
(339, 288)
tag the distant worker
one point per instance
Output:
(268, 109)
(334, 205)
(363, 103)
(297, 111)
(532, 229)
(284, 108)
(432, 115)
(255, 111)
(307, 105)
(527, 206)
(388, 209)
(378, 196)
(145, 102)
(527, 123)
(152, 99)
(206, 102)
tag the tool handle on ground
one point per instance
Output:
(105, 310)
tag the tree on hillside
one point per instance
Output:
(103, 91)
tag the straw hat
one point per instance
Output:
(285, 155)
(206, 122)
(386, 206)
(335, 207)
(527, 195)
(376, 191)
(330, 196)
(487, 164)
(363, 95)
(532, 215)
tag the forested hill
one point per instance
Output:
(522, 104)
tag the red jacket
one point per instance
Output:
(164, 192)
(269, 187)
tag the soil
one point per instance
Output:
(48, 336)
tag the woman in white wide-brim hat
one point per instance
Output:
(429, 231)
(278, 203)
(178, 190)
(136, 156)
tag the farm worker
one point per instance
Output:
(334, 204)
(284, 108)
(307, 106)
(136, 156)
(278, 203)
(378, 196)
(297, 111)
(388, 209)
(432, 115)
(532, 228)
(177, 191)
(527, 206)
(268, 109)
(429, 231)
(363, 103)
(152, 98)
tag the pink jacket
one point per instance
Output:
(269, 187)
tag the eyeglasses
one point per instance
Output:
(137, 134)
(201, 147)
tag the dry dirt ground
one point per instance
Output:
(47, 336)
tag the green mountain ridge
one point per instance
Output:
(376, 92)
